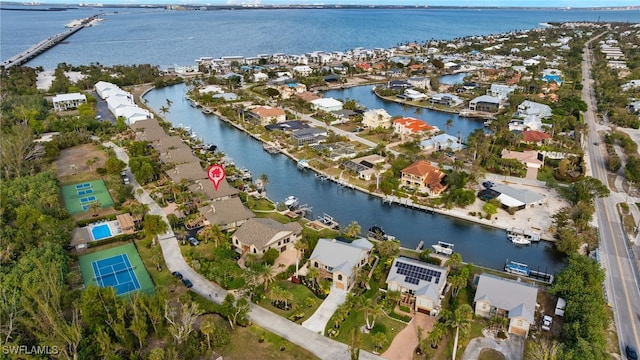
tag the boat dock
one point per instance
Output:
(443, 248)
(527, 234)
(522, 269)
(45, 44)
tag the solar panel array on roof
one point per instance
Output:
(413, 273)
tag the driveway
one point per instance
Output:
(512, 348)
(404, 344)
(318, 321)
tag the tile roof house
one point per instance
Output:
(531, 158)
(423, 176)
(507, 298)
(337, 260)
(258, 235)
(228, 214)
(535, 137)
(266, 115)
(420, 284)
(376, 118)
(410, 126)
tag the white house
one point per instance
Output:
(259, 76)
(512, 299)
(303, 70)
(501, 91)
(257, 235)
(103, 86)
(339, 261)
(63, 102)
(442, 142)
(327, 104)
(630, 85)
(376, 118)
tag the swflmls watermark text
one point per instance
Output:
(29, 350)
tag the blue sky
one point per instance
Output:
(516, 3)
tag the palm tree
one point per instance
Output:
(266, 275)
(314, 274)
(454, 261)
(436, 334)
(460, 319)
(164, 110)
(153, 226)
(449, 123)
(95, 208)
(352, 230)
(371, 310)
(379, 339)
(299, 246)
(264, 179)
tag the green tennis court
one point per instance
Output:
(79, 197)
(120, 267)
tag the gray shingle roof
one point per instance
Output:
(524, 195)
(225, 212)
(206, 187)
(261, 232)
(518, 298)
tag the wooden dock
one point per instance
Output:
(45, 45)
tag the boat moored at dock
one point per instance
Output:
(443, 248)
(517, 268)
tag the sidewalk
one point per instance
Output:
(320, 346)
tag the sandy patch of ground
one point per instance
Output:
(405, 343)
(45, 78)
(73, 161)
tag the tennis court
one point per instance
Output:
(119, 267)
(117, 272)
(79, 197)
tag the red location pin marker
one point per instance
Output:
(216, 174)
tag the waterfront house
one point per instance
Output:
(228, 214)
(501, 91)
(309, 136)
(257, 235)
(62, 102)
(326, 104)
(376, 118)
(420, 284)
(506, 298)
(414, 95)
(485, 103)
(411, 127)
(339, 261)
(424, 177)
(336, 151)
(211, 89)
(133, 114)
(103, 88)
(302, 70)
(367, 166)
(188, 171)
(420, 82)
(148, 130)
(441, 142)
(445, 99)
(209, 192)
(511, 198)
(266, 115)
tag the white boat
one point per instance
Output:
(443, 248)
(519, 240)
(517, 268)
(291, 202)
(303, 164)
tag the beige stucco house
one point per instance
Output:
(338, 261)
(420, 284)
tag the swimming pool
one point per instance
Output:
(101, 231)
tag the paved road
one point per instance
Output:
(621, 284)
(322, 347)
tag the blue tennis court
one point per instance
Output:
(84, 192)
(83, 186)
(117, 272)
(88, 199)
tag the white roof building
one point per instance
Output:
(63, 102)
(327, 104)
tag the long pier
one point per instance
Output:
(45, 45)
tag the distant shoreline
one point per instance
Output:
(208, 7)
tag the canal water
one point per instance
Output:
(478, 244)
(460, 126)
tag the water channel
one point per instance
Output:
(478, 244)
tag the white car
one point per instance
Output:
(546, 322)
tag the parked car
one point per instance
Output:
(187, 283)
(125, 178)
(177, 274)
(546, 322)
(193, 241)
(631, 352)
(488, 184)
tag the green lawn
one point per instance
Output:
(300, 294)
